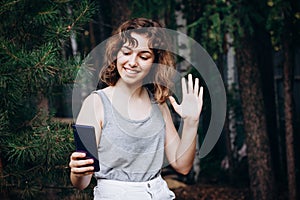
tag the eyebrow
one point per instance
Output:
(145, 51)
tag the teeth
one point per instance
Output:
(130, 71)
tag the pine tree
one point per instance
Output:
(34, 150)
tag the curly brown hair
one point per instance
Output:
(159, 80)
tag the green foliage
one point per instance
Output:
(213, 23)
(36, 157)
(34, 40)
(149, 9)
(31, 47)
(154, 9)
(206, 27)
(217, 18)
(283, 22)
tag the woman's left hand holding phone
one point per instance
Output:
(80, 165)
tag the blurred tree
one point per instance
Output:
(283, 23)
(34, 37)
(245, 22)
(209, 26)
(258, 149)
(252, 20)
(212, 24)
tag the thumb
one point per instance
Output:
(173, 103)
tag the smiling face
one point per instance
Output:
(135, 61)
(132, 37)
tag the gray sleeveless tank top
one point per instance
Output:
(130, 150)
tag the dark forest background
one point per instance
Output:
(255, 44)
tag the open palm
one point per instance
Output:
(192, 100)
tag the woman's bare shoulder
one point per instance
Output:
(91, 111)
(108, 91)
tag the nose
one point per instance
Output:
(132, 61)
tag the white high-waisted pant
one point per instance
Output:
(156, 189)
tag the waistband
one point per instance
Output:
(134, 185)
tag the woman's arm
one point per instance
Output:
(91, 114)
(181, 151)
(81, 170)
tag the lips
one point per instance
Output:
(130, 71)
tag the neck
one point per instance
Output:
(129, 91)
(131, 102)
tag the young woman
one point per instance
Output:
(133, 120)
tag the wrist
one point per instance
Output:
(191, 121)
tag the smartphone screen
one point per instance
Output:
(85, 141)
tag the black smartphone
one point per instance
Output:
(85, 141)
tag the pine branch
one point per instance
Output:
(84, 15)
(44, 54)
(33, 148)
(46, 17)
(11, 54)
(6, 6)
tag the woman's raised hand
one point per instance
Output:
(192, 100)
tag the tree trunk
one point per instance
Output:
(230, 123)
(42, 109)
(265, 60)
(92, 35)
(258, 147)
(4, 191)
(289, 129)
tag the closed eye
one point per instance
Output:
(144, 57)
(126, 52)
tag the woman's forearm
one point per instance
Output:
(186, 149)
(80, 181)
